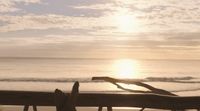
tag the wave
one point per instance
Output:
(183, 80)
(186, 90)
(62, 80)
(187, 79)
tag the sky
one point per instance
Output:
(141, 29)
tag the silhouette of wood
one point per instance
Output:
(138, 83)
(64, 103)
(142, 109)
(34, 108)
(158, 98)
(109, 108)
(100, 108)
(26, 107)
(102, 99)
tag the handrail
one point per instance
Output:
(102, 99)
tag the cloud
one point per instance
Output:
(62, 46)
(149, 16)
(103, 47)
(168, 15)
(7, 6)
(40, 22)
(105, 6)
(27, 1)
(74, 27)
(107, 42)
(184, 36)
(10, 5)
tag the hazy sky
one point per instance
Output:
(146, 29)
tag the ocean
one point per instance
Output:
(46, 74)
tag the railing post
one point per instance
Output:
(34, 108)
(142, 109)
(100, 108)
(109, 108)
(26, 107)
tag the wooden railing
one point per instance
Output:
(29, 98)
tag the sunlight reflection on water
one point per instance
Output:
(125, 68)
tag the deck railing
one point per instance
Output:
(157, 98)
(29, 98)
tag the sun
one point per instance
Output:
(125, 68)
(125, 21)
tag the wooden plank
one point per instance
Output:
(104, 100)
(139, 100)
(26, 98)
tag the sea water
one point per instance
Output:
(46, 74)
(181, 77)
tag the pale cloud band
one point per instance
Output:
(10, 5)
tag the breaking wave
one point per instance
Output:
(187, 79)
(183, 80)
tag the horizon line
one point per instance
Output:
(43, 57)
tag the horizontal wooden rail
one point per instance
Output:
(102, 99)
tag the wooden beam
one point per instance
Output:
(104, 100)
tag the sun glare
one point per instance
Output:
(125, 21)
(125, 68)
